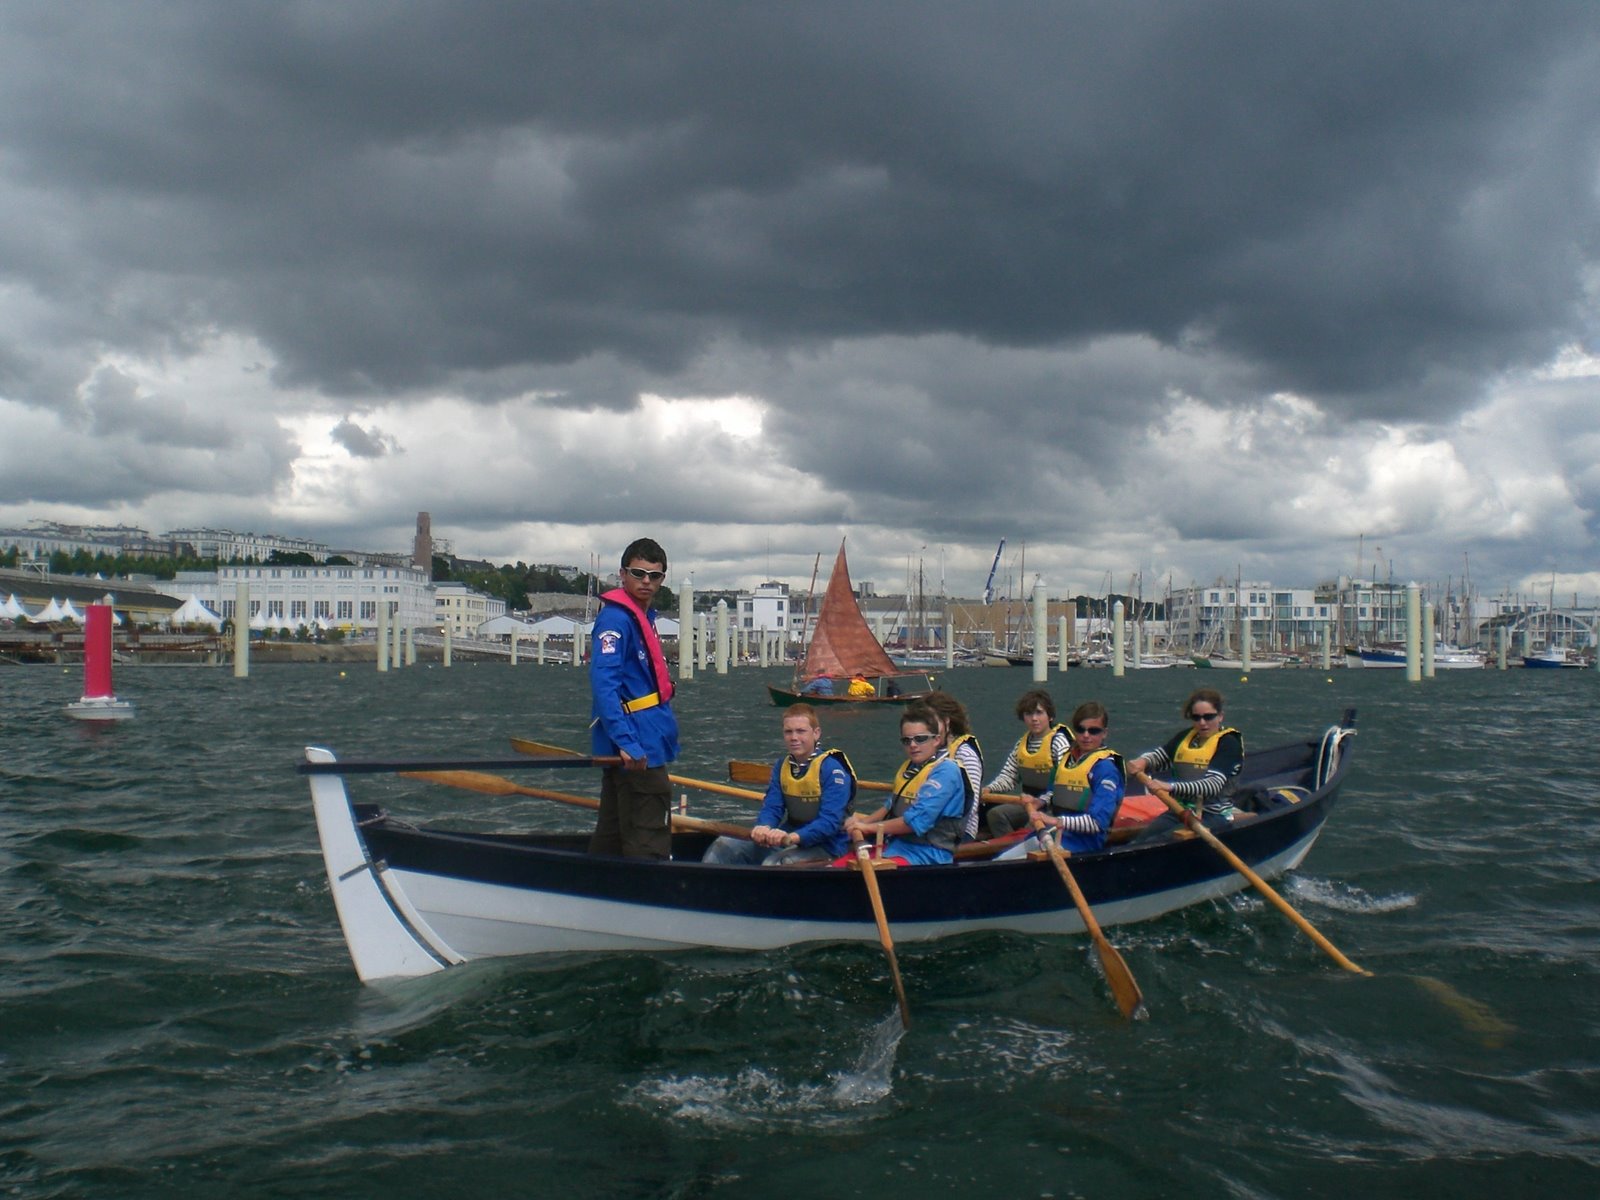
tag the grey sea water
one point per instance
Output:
(178, 1015)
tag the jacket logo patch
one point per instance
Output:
(609, 640)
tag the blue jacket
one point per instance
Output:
(838, 789)
(619, 671)
(942, 794)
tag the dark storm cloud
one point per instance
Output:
(359, 442)
(1374, 203)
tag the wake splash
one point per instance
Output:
(758, 1098)
(1343, 897)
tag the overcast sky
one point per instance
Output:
(1179, 289)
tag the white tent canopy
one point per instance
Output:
(50, 612)
(505, 626)
(568, 626)
(264, 620)
(193, 612)
(559, 627)
(68, 613)
(12, 609)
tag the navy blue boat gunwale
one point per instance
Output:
(557, 864)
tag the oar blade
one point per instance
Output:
(1124, 989)
(744, 771)
(471, 781)
(539, 749)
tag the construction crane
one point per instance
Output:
(988, 587)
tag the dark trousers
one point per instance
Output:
(635, 814)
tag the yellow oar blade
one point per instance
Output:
(743, 771)
(472, 781)
(1124, 989)
(528, 746)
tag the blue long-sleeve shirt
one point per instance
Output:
(942, 794)
(828, 828)
(619, 671)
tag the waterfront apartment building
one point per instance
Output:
(1346, 611)
(345, 597)
(1214, 618)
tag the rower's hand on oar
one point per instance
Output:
(630, 763)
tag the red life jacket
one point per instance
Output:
(652, 641)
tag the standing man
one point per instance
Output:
(632, 712)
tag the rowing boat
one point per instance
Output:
(413, 901)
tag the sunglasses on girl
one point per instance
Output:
(642, 575)
(917, 739)
(1200, 716)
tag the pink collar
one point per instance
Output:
(652, 640)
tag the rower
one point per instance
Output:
(1204, 763)
(1031, 763)
(802, 815)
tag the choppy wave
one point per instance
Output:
(179, 1013)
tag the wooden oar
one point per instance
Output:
(1191, 821)
(494, 785)
(540, 749)
(360, 766)
(1128, 996)
(746, 771)
(868, 873)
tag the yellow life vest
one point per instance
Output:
(860, 687)
(1036, 767)
(802, 794)
(1190, 761)
(1072, 791)
(946, 831)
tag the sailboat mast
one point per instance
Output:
(805, 623)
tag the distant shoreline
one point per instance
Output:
(271, 652)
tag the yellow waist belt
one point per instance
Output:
(642, 703)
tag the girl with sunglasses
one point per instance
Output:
(922, 819)
(1086, 788)
(1203, 762)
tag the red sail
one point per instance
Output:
(843, 643)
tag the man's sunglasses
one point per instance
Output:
(641, 574)
(1091, 730)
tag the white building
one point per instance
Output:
(344, 597)
(1212, 618)
(766, 608)
(225, 544)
